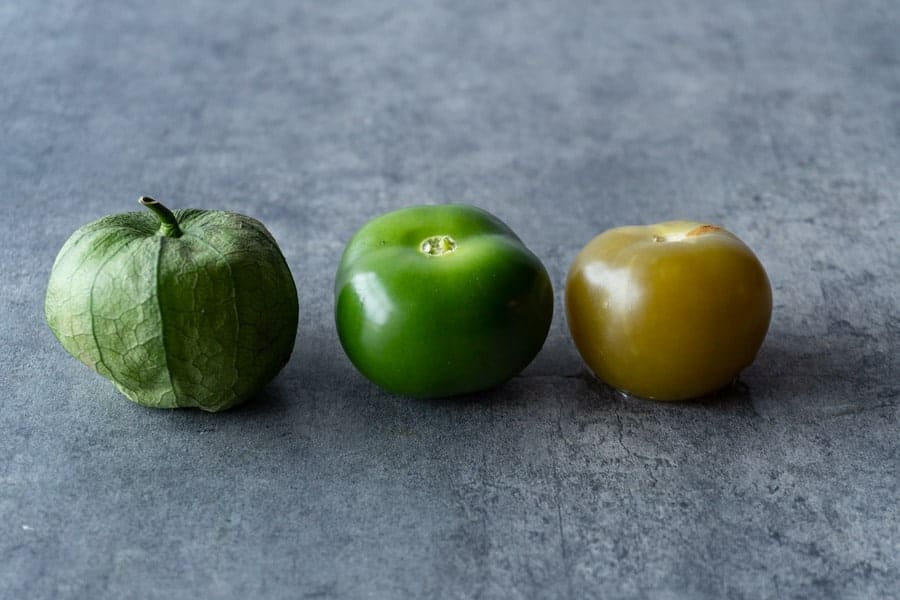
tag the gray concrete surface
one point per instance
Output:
(780, 120)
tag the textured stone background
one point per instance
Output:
(780, 120)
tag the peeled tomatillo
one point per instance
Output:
(668, 311)
(191, 308)
(440, 300)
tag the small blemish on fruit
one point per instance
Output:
(702, 229)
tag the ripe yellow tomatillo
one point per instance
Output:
(668, 311)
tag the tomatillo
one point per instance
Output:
(440, 300)
(185, 308)
(668, 311)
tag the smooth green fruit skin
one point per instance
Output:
(203, 320)
(440, 325)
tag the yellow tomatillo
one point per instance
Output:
(668, 311)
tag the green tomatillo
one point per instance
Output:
(440, 300)
(191, 308)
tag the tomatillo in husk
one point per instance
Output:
(440, 300)
(191, 308)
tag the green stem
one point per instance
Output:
(168, 224)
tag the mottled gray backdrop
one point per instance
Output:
(779, 120)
